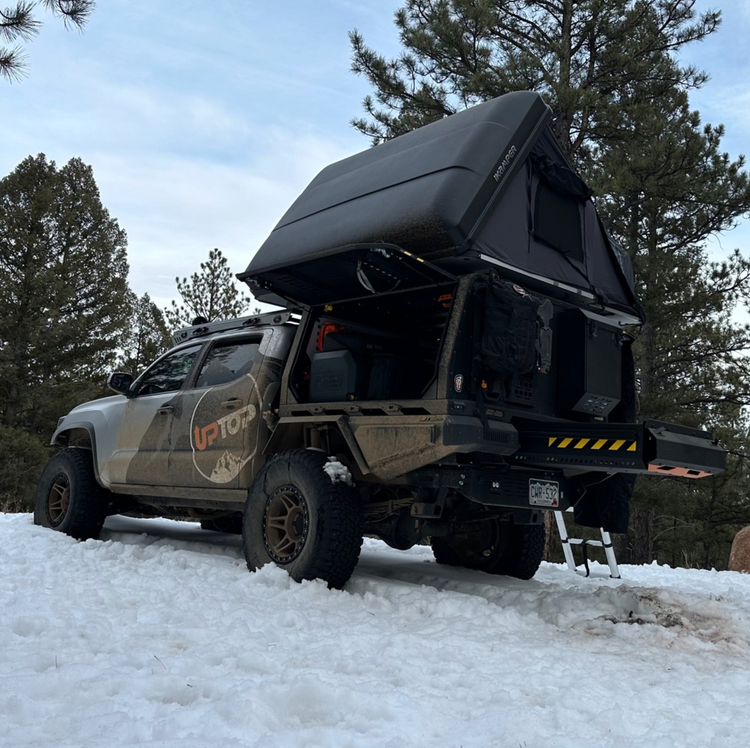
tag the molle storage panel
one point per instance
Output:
(521, 389)
(335, 376)
(589, 364)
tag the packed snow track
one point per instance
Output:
(157, 635)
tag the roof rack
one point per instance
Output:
(280, 317)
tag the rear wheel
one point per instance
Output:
(494, 546)
(297, 518)
(68, 498)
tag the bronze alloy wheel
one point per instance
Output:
(68, 497)
(285, 524)
(58, 500)
(296, 517)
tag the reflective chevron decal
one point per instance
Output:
(597, 445)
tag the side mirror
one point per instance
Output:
(120, 382)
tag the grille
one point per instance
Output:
(499, 437)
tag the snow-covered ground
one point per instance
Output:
(157, 635)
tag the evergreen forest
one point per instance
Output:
(612, 72)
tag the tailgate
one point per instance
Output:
(652, 447)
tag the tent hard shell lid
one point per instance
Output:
(488, 186)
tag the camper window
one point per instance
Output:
(557, 221)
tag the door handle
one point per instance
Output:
(232, 403)
(164, 409)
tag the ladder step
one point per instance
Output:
(581, 541)
(605, 542)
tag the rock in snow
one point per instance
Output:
(157, 635)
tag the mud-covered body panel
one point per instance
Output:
(196, 437)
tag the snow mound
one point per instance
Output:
(338, 472)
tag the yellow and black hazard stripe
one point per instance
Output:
(597, 445)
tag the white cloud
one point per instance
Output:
(182, 171)
(175, 209)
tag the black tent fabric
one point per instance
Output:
(490, 182)
(546, 224)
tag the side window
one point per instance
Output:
(226, 362)
(168, 374)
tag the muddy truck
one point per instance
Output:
(452, 360)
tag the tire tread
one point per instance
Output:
(339, 518)
(87, 508)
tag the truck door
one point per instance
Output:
(214, 425)
(141, 454)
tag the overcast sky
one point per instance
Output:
(204, 120)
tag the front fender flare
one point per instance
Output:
(72, 435)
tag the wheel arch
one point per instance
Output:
(301, 433)
(83, 436)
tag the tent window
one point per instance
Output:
(557, 221)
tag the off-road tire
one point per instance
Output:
(297, 518)
(68, 498)
(232, 525)
(494, 547)
(524, 553)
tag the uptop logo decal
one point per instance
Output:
(222, 447)
(205, 436)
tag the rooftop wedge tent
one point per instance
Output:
(487, 186)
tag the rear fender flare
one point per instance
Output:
(289, 434)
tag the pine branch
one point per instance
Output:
(72, 12)
(18, 24)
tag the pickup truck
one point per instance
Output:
(453, 359)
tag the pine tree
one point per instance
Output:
(609, 71)
(663, 197)
(581, 55)
(20, 24)
(63, 271)
(211, 294)
(147, 336)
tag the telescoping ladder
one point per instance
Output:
(567, 542)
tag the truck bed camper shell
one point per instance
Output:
(489, 186)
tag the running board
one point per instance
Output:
(652, 447)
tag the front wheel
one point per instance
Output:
(297, 517)
(68, 498)
(231, 524)
(495, 547)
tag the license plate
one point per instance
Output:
(544, 493)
